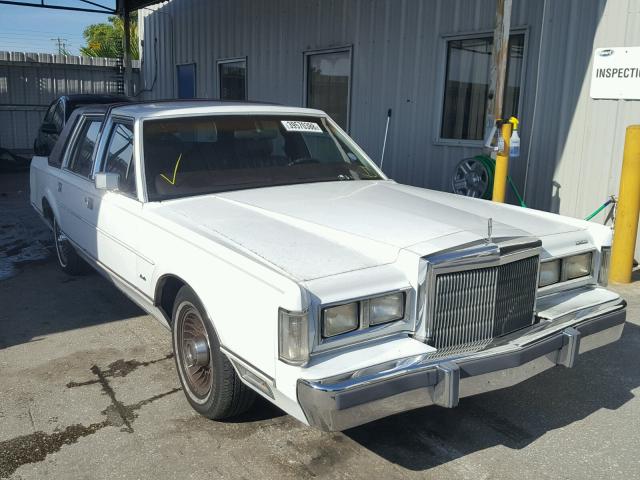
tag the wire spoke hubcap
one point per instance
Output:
(61, 244)
(195, 352)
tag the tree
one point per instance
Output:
(106, 39)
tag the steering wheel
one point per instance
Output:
(302, 161)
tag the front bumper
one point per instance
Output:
(339, 403)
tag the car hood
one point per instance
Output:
(320, 229)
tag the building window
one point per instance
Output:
(328, 83)
(467, 84)
(186, 80)
(232, 76)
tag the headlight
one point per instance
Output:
(549, 273)
(577, 266)
(605, 258)
(340, 319)
(348, 317)
(293, 337)
(386, 309)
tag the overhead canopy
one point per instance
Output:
(132, 5)
(95, 6)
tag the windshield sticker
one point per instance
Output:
(298, 126)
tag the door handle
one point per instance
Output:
(59, 186)
(88, 202)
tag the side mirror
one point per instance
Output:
(49, 127)
(107, 181)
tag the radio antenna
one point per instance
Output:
(384, 143)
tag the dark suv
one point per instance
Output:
(59, 112)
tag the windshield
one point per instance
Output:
(200, 155)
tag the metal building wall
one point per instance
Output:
(30, 81)
(398, 61)
(570, 143)
(576, 158)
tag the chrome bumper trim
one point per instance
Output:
(333, 404)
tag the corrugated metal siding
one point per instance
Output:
(398, 62)
(30, 81)
(576, 157)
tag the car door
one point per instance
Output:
(75, 189)
(120, 211)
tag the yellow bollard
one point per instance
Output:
(502, 165)
(626, 227)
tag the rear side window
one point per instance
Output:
(119, 157)
(57, 116)
(81, 157)
(49, 115)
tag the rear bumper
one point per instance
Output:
(413, 382)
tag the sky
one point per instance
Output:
(28, 29)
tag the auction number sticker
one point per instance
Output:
(298, 126)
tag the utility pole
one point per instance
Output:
(499, 56)
(127, 52)
(61, 45)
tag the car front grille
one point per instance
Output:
(472, 307)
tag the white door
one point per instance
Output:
(76, 192)
(119, 215)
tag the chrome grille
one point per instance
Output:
(471, 307)
(515, 295)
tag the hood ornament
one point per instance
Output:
(489, 230)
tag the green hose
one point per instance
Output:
(601, 207)
(490, 164)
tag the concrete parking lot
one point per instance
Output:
(88, 389)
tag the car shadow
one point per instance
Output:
(36, 297)
(43, 300)
(261, 410)
(513, 417)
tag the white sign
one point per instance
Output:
(298, 126)
(616, 73)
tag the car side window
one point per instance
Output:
(57, 117)
(119, 157)
(81, 156)
(48, 117)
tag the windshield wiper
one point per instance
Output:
(345, 177)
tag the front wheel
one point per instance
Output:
(208, 379)
(68, 259)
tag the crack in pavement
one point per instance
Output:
(120, 368)
(115, 403)
(35, 447)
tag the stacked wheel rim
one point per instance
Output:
(473, 177)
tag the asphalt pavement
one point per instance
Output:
(88, 390)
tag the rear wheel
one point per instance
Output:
(208, 379)
(68, 259)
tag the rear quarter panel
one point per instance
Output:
(43, 180)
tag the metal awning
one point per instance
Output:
(121, 6)
(132, 5)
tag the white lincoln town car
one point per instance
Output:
(287, 265)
